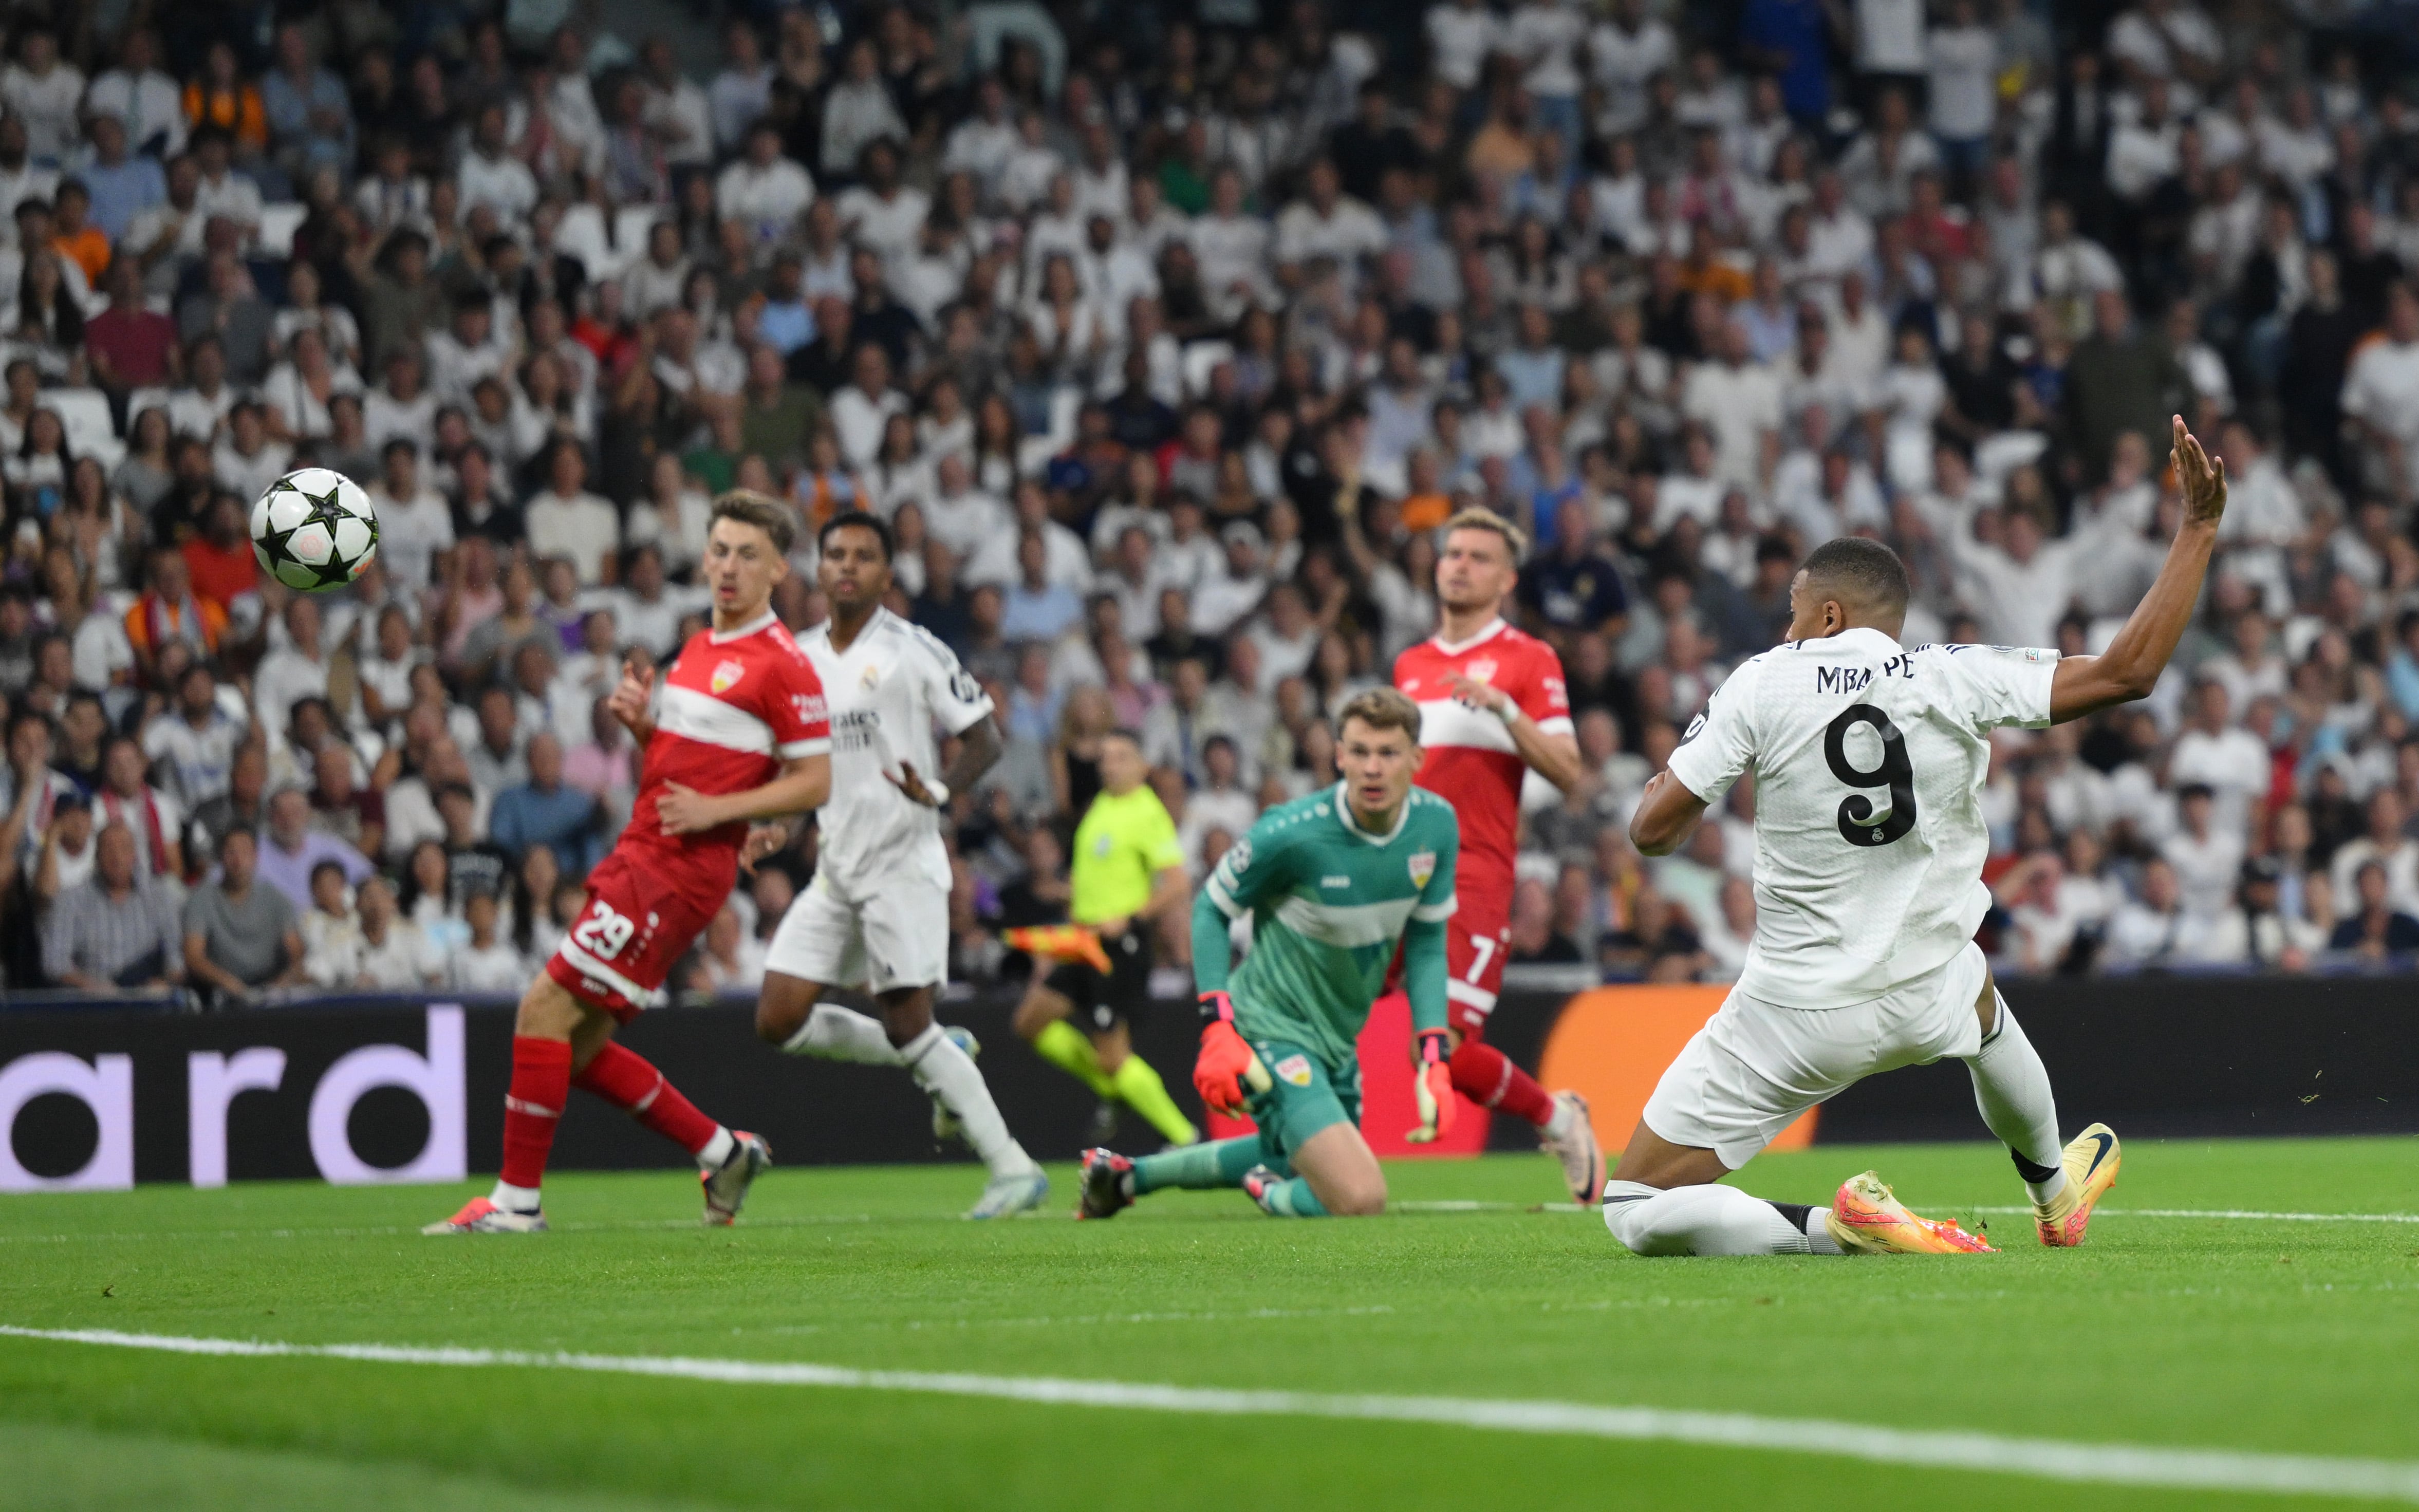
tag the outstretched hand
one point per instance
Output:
(764, 840)
(912, 785)
(2201, 476)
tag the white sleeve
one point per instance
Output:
(2001, 685)
(1721, 741)
(958, 700)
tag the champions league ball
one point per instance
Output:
(313, 529)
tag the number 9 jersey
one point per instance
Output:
(1869, 760)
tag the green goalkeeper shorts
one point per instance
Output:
(1304, 1095)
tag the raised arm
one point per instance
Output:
(1555, 755)
(2130, 668)
(631, 697)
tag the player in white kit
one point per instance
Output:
(1870, 759)
(876, 914)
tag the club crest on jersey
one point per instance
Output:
(1294, 1070)
(871, 675)
(1480, 670)
(1423, 867)
(726, 676)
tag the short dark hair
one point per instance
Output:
(859, 520)
(763, 511)
(1866, 573)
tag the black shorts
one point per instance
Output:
(1123, 993)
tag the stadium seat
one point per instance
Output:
(141, 399)
(91, 431)
(1034, 452)
(1201, 359)
(278, 223)
(582, 234)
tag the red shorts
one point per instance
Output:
(1476, 939)
(646, 907)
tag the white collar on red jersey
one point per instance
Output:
(723, 638)
(1494, 628)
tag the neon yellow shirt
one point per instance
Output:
(1124, 841)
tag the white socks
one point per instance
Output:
(1709, 1220)
(715, 1150)
(836, 1033)
(2012, 1087)
(514, 1198)
(947, 1073)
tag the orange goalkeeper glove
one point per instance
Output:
(1431, 1089)
(1226, 1065)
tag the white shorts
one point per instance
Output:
(1756, 1066)
(897, 937)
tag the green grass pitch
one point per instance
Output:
(2191, 1333)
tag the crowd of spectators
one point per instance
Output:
(1164, 335)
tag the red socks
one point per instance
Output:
(631, 1083)
(1486, 1076)
(542, 1082)
(541, 1085)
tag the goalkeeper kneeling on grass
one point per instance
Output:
(1333, 882)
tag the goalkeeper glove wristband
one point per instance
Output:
(1431, 1089)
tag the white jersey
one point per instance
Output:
(886, 692)
(1869, 839)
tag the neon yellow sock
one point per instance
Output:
(1064, 1046)
(1147, 1094)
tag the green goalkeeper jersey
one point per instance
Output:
(1328, 902)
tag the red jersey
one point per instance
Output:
(736, 705)
(1470, 759)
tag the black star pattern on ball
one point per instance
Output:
(275, 548)
(323, 508)
(325, 574)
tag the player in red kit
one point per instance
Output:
(1492, 705)
(739, 735)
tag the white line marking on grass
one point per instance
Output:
(2113, 1464)
(2237, 1213)
(1087, 1320)
(611, 1227)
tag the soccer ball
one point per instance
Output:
(313, 529)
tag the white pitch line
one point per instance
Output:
(2237, 1213)
(2110, 1464)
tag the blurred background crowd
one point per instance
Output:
(1164, 335)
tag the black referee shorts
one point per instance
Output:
(1123, 993)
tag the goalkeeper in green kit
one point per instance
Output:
(1333, 883)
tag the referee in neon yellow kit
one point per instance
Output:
(1127, 875)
